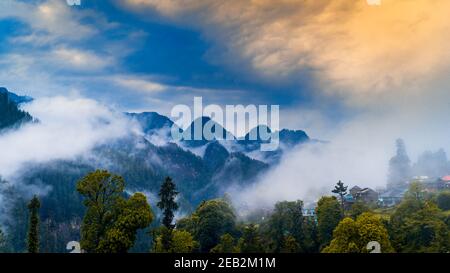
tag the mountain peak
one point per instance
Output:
(10, 114)
(14, 97)
(218, 131)
(257, 131)
(151, 121)
(293, 137)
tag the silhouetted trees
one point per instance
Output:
(33, 229)
(399, 166)
(341, 190)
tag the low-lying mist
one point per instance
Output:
(357, 152)
(66, 128)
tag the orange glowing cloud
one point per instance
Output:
(353, 48)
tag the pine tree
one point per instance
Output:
(167, 195)
(399, 166)
(340, 190)
(33, 230)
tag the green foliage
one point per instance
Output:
(443, 200)
(286, 219)
(357, 209)
(209, 222)
(328, 217)
(311, 240)
(352, 236)
(418, 225)
(167, 203)
(180, 241)
(415, 193)
(226, 245)
(183, 242)
(250, 242)
(290, 245)
(165, 238)
(188, 223)
(111, 222)
(135, 214)
(33, 229)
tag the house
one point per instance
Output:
(349, 200)
(391, 197)
(366, 195)
(355, 190)
(311, 212)
(431, 184)
(445, 180)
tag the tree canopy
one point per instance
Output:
(111, 221)
(352, 236)
(328, 217)
(211, 220)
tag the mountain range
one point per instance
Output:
(201, 169)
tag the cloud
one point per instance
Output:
(49, 21)
(55, 49)
(357, 153)
(387, 63)
(75, 59)
(139, 84)
(352, 48)
(67, 128)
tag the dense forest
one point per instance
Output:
(115, 221)
(11, 116)
(132, 195)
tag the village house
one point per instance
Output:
(392, 196)
(366, 195)
(445, 180)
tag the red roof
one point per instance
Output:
(446, 178)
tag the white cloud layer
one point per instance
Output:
(68, 127)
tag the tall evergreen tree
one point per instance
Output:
(340, 190)
(399, 166)
(167, 195)
(33, 229)
(167, 204)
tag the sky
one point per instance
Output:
(132, 56)
(325, 60)
(355, 74)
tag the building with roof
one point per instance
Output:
(366, 195)
(391, 197)
(445, 180)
